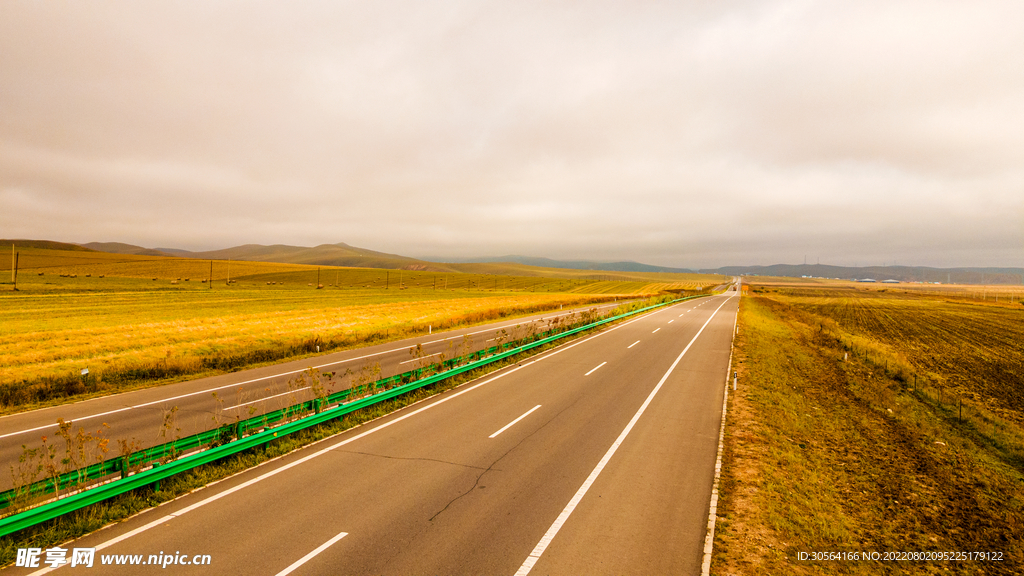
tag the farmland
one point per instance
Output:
(872, 419)
(144, 320)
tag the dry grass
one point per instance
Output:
(831, 447)
(166, 334)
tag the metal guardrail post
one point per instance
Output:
(156, 485)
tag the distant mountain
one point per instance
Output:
(342, 254)
(47, 244)
(174, 252)
(627, 266)
(122, 248)
(339, 254)
(901, 273)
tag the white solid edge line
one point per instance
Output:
(709, 538)
(633, 344)
(557, 525)
(310, 556)
(512, 423)
(143, 405)
(323, 451)
(594, 369)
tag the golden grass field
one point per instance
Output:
(137, 320)
(873, 420)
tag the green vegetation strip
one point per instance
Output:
(34, 516)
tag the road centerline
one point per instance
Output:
(512, 423)
(655, 330)
(594, 369)
(311, 555)
(633, 344)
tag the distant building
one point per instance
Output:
(890, 281)
(866, 280)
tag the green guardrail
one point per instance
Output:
(232, 438)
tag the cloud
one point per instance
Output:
(683, 134)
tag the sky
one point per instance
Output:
(685, 134)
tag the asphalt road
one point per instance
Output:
(596, 457)
(139, 415)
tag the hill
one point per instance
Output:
(901, 273)
(45, 244)
(122, 248)
(626, 266)
(339, 254)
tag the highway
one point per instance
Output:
(139, 415)
(595, 457)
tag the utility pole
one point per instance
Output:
(229, 273)
(12, 262)
(211, 275)
(14, 276)
(387, 280)
(318, 277)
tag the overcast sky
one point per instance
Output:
(690, 134)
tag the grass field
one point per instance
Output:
(126, 338)
(992, 293)
(873, 421)
(47, 269)
(142, 320)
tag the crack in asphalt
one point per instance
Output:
(499, 459)
(408, 458)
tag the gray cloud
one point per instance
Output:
(683, 134)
